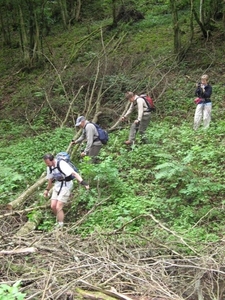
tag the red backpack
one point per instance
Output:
(149, 102)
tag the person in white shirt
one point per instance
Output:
(142, 121)
(63, 184)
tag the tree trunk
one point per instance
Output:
(36, 47)
(64, 12)
(113, 292)
(204, 31)
(29, 226)
(114, 13)
(224, 16)
(78, 8)
(23, 37)
(176, 28)
(15, 203)
(201, 17)
(191, 22)
(5, 30)
(32, 224)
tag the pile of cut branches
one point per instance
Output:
(62, 265)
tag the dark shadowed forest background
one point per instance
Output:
(152, 225)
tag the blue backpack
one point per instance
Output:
(63, 178)
(102, 134)
(66, 157)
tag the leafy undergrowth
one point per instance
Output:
(176, 180)
(162, 203)
(159, 207)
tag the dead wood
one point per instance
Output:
(118, 266)
(70, 107)
(18, 251)
(92, 295)
(25, 210)
(113, 293)
(15, 203)
(29, 226)
(119, 120)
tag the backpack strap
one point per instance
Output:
(68, 178)
(60, 170)
(58, 167)
(60, 188)
(142, 97)
(96, 137)
(51, 169)
(148, 105)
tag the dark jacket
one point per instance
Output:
(204, 95)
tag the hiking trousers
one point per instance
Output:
(203, 110)
(141, 127)
(93, 152)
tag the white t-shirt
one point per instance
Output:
(66, 169)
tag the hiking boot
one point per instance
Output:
(128, 142)
(58, 226)
(145, 141)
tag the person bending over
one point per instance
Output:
(143, 117)
(61, 179)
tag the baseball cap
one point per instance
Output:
(79, 120)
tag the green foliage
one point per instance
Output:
(47, 223)
(8, 292)
(178, 177)
(22, 162)
(151, 21)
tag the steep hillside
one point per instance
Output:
(152, 224)
(95, 62)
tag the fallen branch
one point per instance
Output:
(47, 283)
(173, 233)
(18, 212)
(18, 251)
(92, 295)
(112, 292)
(80, 221)
(15, 203)
(119, 120)
(30, 225)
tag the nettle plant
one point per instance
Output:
(26, 164)
(8, 292)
